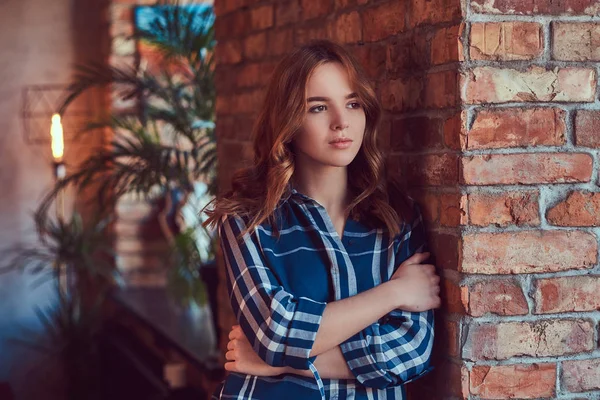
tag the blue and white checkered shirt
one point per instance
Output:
(279, 288)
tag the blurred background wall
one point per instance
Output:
(40, 42)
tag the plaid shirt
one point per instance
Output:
(279, 288)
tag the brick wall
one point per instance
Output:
(492, 120)
(529, 173)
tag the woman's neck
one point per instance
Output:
(328, 186)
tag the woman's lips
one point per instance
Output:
(341, 144)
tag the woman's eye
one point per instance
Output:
(355, 105)
(317, 108)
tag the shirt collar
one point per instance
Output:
(291, 192)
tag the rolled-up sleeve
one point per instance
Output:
(396, 350)
(281, 327)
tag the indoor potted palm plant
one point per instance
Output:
(166, 148)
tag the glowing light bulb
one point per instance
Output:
(56, 131)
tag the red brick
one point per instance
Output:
(407, 53)
(372, 57)
(567, 294)
(454, 131)
(249, 75)
(506, 41)
(446, 46)
(576, 41)
(223, 82)
(140, 246)
(587, 128)
(232, 25)
(142, 264)
(544, 338)
(453, 209)
(433, 12)
(280, 41)
(236, 127)
(126, 230)
(255, 46)
(523, 381)
(383, 135)
(433, 169)
(527, 168)
(122, 28)
(346, 28)
(581, 375)
(402, 94)
(579, 209)
(136, 2)
(122, 61)
(450, 338)
(229, 52)
(339, 4)
(224, 105)
(442, 89)
(261, 17)
(528, 252)
(314, 9)
(517, 127)
(306, 34)
(226, 6)
(503, 209)
(287, 12)
(383, 21)
(130, 210)
(266, 70)
(416, 133)
(496, 296)
(451, 296)
(429, 203)
(238, 153)
(552, 7)
(445, 247)
(248, 102)
(502, 85)
(448, 380)
(121, 13)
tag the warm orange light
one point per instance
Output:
(58, 145)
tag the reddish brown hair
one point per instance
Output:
(257, 190)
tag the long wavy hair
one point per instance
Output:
(257, 190)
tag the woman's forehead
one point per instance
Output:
(328, 80)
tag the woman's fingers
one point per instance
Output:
(235, 332)
(230, 366)
(232, 344)
(230, 355)
(417, 258)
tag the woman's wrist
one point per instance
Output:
(392, 293)
(301, 372)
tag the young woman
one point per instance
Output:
(325, 261)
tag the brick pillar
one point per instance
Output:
(528, 178)
(491, 119)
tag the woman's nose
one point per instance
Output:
(340, 121)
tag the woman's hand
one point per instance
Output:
(418, 284)
(243, 359)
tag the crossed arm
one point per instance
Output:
(343, 338)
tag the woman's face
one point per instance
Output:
(333, 112)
